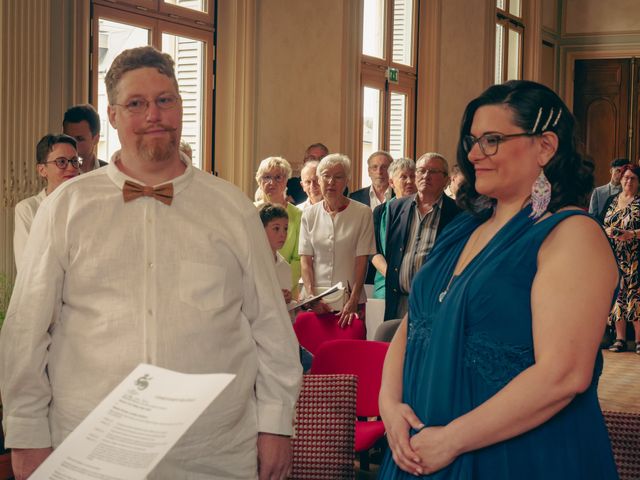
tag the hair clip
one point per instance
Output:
(535, 125)
(546, 124)
(555, 122)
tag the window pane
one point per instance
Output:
(373, 28)
(370, 128)
(197, 5)
(402, 31)
(397, 124)
(514, 8)
(499, 70)
(500, 4)
(189, 56)
(114, 38)
(513, 71)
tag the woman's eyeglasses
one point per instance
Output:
(62, 162)
(489, 142)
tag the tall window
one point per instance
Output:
(509, 37)
(181, 28)
(388, 79)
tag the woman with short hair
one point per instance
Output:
(336, 239)
(272, 176)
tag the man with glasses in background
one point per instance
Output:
(314, 153)
(82, 122)
(413, 224)
(57, 161)
(183, 278)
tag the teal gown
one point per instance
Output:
(463, 350)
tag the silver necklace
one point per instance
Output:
(444, 292)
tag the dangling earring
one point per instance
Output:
(540, 196)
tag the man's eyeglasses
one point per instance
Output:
(429, 171)
(62, 162)
(272, 178)
(489, 141)
(140, 105)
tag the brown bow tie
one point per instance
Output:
(132, 190)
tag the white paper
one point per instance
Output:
(292, 305)
(134, 427)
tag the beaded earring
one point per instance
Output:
(540, 196)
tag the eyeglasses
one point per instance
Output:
(140, 105)
(272, 178)
(429, 171)
(62, 162)
(334, 178)
(489, 141)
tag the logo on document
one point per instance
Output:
(143, 382)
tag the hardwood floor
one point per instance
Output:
(619, 387)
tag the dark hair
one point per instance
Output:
(271, 211)
(321, 146)
(46, 144)
(635, 169)
(136, 58)
(536, 109)
(86, 112)
(620, 162)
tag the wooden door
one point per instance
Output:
(601, 105)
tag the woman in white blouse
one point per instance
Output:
(336, 239)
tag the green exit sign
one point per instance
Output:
(392, 75)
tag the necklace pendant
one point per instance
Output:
(442, 295)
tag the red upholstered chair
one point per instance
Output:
(312, 330)
(325, 426)
(364, 359)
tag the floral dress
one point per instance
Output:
(627, 305)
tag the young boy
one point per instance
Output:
(276, 223)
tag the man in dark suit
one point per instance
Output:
(376, 194)
(379, 191)
(413, 224)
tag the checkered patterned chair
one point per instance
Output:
(624, 432)
(323, 446)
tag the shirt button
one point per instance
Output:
(151, 265)
(150, 312)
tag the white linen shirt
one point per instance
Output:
(24, 213)
(335, 242)
(189, 287)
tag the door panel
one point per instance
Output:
(601, 105)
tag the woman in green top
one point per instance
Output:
(402, 178)
(272, 176)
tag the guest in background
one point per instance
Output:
(57, 161)
(601, 194)
(622, 224)
(454, 184)
(82, 122)
(310, 184)
(494, 374)
(413, 224)
(402, 179)
(186, 149)
(336, 238)
(379, 191)
(272, 176)
(276, 223)
(314, 153)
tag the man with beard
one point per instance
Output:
(184, 279)
(413, 224)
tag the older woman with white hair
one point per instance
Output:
(272, 176)
(336, 239)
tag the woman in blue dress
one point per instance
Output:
(493, 374)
